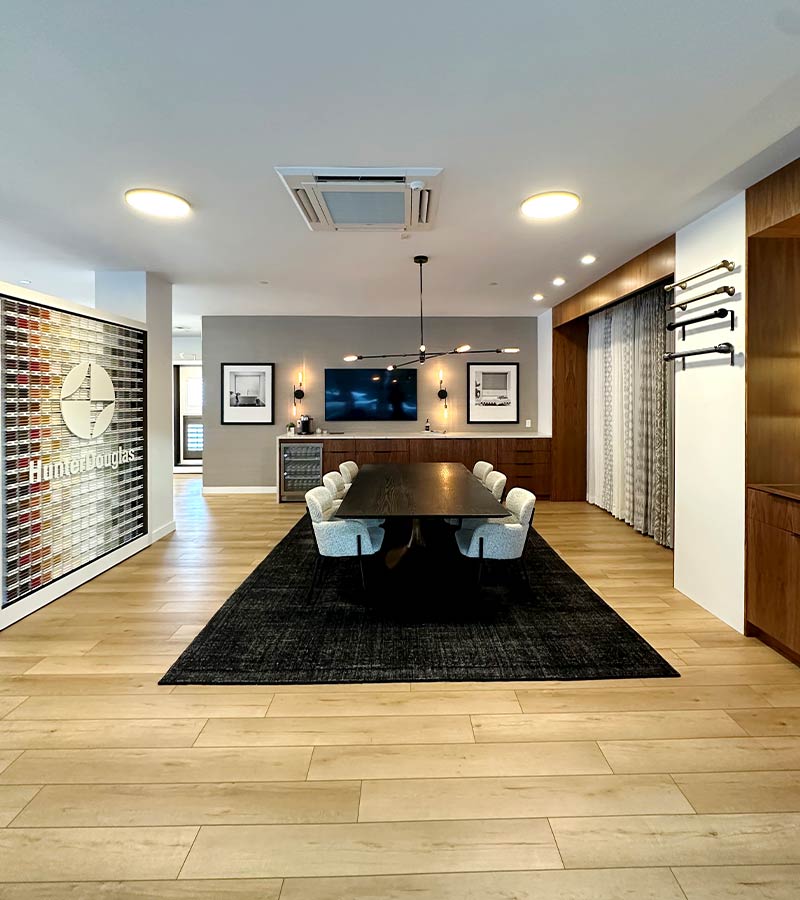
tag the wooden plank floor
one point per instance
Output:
(111, 786)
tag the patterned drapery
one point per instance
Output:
(629, 401)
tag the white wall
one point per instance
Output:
(148, 297)
(544, 382)
(710, 423)
(187, 348)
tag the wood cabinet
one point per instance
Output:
(772, 607)
(526, 461)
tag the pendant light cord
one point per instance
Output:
(421, 326)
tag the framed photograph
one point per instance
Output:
(248, 393)
(493, 393)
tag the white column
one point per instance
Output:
(544, 373)
(148, 297)
(710, 422)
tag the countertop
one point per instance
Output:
(423, 435)
(791, 491)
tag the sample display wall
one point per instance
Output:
(74, 470)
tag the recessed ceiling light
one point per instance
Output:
(24, 281)
(158, 203)
(263, 282)
(588, 259)
(550, 205)
(538, 297)
(558, 281)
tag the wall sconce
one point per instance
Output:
(442, 394)
(297, 393)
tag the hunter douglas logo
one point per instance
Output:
(87, 407)
(87, 413)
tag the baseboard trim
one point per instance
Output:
(255, 489)
(163, 531)
(754, 631)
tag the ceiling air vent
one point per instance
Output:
(350, 199)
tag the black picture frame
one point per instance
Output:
(269, 419)
(513, 404)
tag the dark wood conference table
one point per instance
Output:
(418, 491)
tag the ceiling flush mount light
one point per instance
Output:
(161, 204)
(423, 353)
(538, 298)
(550, 205)
(558, 281)
(24, 281)
(588, 259)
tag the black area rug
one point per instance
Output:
(423, 621)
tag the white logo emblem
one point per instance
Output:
(91, 412)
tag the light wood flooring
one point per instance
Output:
(114, 787)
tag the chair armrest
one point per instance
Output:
(339, 537)
(500, 540)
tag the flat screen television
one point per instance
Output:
(370, 395)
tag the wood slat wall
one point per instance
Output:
(645, 269)
(773, 361)
(773, 204)
(570, 344)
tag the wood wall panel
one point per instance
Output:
(773, 204)
(570, 344)
(773, 571)
(772, 446)
(526, 461)
(645, 269)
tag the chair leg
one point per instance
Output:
(480, 561)
(361, 564)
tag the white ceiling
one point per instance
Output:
(649, 111)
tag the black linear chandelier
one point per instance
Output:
(419, 356)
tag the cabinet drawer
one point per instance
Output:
(773, 582)
(387, 445)
(334, 446)
(771, 509)
(519, 457)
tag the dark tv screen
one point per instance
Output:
(370, 395)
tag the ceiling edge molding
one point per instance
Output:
(774, 200)
(654, 264)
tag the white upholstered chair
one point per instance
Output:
(496, 483)
(481, 469)
(501, 538)
(334, 482)
(337, 488)
(340, 537)
(349, 471)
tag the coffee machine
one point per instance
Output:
(305, 425)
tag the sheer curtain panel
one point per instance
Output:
(629, 414)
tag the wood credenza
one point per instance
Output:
(525, 460)
(772, 596)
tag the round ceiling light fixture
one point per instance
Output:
(588, 259)
(161, 204)
(550, 205)
(558, 281)
(537, 298)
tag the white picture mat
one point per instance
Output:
(248, 381)
(493, 392)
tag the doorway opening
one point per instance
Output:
(188, 416)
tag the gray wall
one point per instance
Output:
(245, 455)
